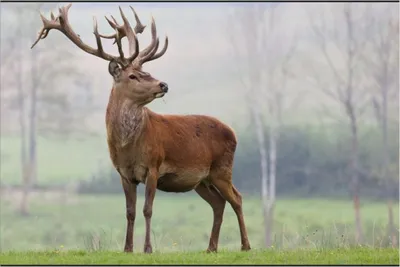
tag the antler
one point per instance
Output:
(149, 53)
(126, 30)
(61, 24)
(138, 28)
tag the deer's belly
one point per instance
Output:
(182, 181)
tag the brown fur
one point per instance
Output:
(170, 152)
(140, 137)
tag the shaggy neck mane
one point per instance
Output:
(126, 119)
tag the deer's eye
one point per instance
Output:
(133, 77)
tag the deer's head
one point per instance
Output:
(129, 78)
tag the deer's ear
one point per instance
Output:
(114, 69)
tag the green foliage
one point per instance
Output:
(312, 163)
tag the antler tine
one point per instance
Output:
(139, 28)
(64, 14)
(136, 53)
(98, 39)
(47, 26)
(124, 19)
(153, 37)
(118, 35)
(162, 52)
(115, 27)
(115, 21)
(130, 34)
(112, 24)
(151, 53)
(119, 45)
(143, 54)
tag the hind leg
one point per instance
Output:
(222, 180)
(217, 203)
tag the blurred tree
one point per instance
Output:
(34, 76)
(256, 37)
(382, 69)
(338, 35)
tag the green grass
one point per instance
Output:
(334, 256)
(183, 222)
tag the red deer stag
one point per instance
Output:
(171, 153)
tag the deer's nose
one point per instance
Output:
(164, 87)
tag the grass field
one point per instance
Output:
(332, 256)
(183, 222)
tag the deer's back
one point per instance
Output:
(194, 139)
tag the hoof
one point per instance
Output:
(148, 249)
(128, 250)
(211, 250)
(246, 248)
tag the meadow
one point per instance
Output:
(79, 228)
(272, 256)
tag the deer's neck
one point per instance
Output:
(125, 120)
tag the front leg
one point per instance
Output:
(130, 190)
(151, 186)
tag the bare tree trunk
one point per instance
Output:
(21, 109)
(268, 180)
(32, 122)
(257, 24)
(24, 206)
(24, 173)
(30, 166)
(350, 106)
(263, 166)
(272, 185)
(391, 230)
(354, 176)
(381, 112)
